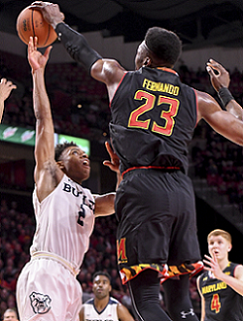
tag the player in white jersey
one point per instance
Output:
(47, 288)
(103, 307)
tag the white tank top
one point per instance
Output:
(64, 221)
(109, 313)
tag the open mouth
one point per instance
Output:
(86, 163)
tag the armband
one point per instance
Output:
(225, 96)
(77, 46)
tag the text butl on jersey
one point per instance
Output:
(153, 118)
(64, 221)
(109, 313)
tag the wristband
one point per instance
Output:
(225, 96)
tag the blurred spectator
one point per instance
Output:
(10, 315)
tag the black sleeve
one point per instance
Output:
(77, 46)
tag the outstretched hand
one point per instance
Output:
(114, 163)
(50, 11)
(35, 57)
(219, 79)
(6, 86)
(213, 264)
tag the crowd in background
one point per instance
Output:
(80, 108)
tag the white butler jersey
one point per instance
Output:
(64, 222)
(47, 288)
(109, 313)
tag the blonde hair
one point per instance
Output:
(223, 233)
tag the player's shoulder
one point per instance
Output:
(113, 301)
(238, 271)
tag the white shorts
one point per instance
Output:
(48, 291)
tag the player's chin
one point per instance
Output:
(86, 173)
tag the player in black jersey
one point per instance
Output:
(221, 286)
(153, 119)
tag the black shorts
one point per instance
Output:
(157, 221)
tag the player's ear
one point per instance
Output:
(229, 247)
(60, 165)
(147, 62)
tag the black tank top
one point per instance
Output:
(221, 301)
(153, 119)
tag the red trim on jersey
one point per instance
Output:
(150, 167)
(117, 87)
(168, 69)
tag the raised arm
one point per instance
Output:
(47, 172)
(236, 282)
(220, 120)
(220, 82)
(108, 71)
(6, 86)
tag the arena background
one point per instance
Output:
(115, 28)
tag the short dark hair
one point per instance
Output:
(61, 147)
(102, 273)
(164, 44)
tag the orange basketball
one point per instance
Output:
(30, 22)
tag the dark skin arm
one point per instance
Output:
(47, 173)
(222, 79)
(104, 204)
(110, 72)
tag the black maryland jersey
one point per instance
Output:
(222, 303)
(153, 118)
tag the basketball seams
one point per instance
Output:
(30, 22)
(48, 34)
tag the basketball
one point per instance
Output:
(30, 22)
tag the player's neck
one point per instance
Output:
(223, 263)
(100, 304)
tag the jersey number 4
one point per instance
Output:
(215, 303)
(150, 103)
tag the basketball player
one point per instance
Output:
(10, 315)
(221, 286)
(103, 307)
(6, 86)
(47, 288)
(153, 119)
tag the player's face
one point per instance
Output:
(140, 56)
(218, 246)
(101, 286)
(76, 163)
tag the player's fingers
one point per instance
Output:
(208, 257)
(210, 71)
(35, 43)
(108, 148)
(11, 85)
(108, 164)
